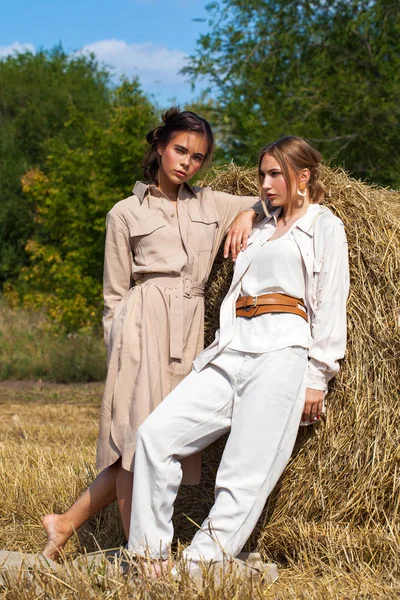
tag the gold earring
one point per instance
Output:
(302, 189)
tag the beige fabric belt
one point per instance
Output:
(178, 288)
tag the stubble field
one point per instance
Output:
(332, 522)
(47, 453)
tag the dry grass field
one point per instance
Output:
(47, 451)
(331, 524)
(30, 348)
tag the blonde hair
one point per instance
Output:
(293, 155)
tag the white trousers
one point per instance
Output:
(260, 398)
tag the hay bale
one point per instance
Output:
(344, 471)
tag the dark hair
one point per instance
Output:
(293, 155)
(175, 120)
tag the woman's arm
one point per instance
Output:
(328, 329)
(237, 214)
(117, 279)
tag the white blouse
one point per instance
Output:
(277, 267)
(321, 239)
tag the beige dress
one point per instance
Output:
(157, 261)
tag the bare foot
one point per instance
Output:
(156, 569)
(58, 530)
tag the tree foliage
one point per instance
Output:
(78, 182)
(37, 94)
(327, 71)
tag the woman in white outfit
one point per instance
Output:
(282, 333)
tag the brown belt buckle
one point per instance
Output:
(248, 308)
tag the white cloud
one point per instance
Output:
(15, 47)
(156, 66)
(153, 64)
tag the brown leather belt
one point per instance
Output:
(249, 306)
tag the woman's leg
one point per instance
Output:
(124, 486)
(193, 415)
(99, 494)
(267, 409)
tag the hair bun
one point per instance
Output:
(316, 171)
(152, 135)
(170, 114)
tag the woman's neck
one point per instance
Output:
(169, 189)
(297, 209)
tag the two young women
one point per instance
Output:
(282, 332)
(160, 246)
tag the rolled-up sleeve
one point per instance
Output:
(328, 329)
(117, 277)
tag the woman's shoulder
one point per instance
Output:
(123, 214)
(329, 228)
(129, 206)
(223, 200)
(203, 192)
(327, 219)
(208, 192)
(122, 207)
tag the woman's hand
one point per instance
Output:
(313, 405)
(238, 233)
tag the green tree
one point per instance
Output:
(327, 71)
(71, 194)
(37, 93)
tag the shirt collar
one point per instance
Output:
(269, 211)
(306, 223)
(141, 190)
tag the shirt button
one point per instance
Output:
(172, 215)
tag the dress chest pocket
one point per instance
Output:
(203, 226)
(149, 240)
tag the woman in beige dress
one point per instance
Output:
(160, 246)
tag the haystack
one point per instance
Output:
(340, 494)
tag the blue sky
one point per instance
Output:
(148, 38)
